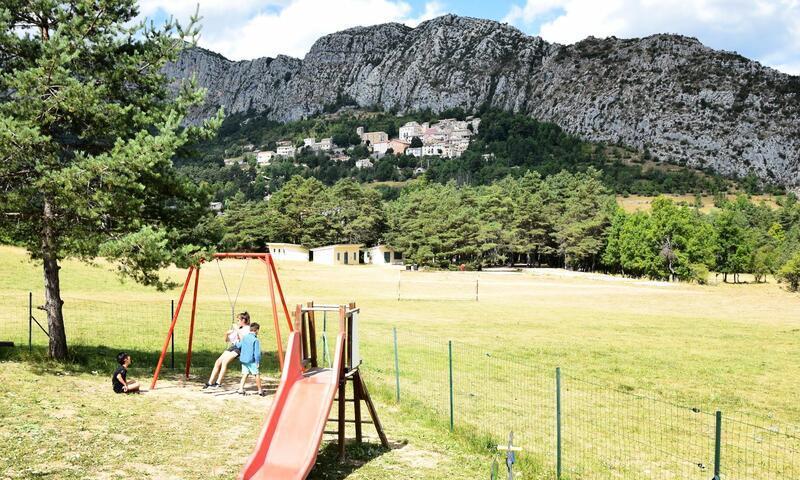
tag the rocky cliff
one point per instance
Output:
(682, 101)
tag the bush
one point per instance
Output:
(790, 272)
(700, 273)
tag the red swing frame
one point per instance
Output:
(272, 273)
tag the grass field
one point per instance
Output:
(632, 203)
(628, 350)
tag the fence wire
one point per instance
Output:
(607, 433)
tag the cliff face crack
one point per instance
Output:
(688, 103)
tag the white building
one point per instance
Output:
(233, 161)
(264, 158)
(409, 131)
(340, 254)
(285, 151)
(364, 163)
(216, 207)
(288, 251)
(414, 152)
(384, 255)
(326, 144)
(380, 147)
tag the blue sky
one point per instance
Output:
(765, 30)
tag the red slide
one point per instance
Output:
(287, 447)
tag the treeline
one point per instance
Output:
(568, 220)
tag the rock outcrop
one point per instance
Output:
(683, 102)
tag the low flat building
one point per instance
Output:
(288, 251)
(339, 254)
(383, 255)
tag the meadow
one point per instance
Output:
(644, 364)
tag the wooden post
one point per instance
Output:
(373, 413)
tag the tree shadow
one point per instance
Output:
(103, 360)
(357, 455)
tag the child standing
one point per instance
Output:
(120, 378)
(250, 357)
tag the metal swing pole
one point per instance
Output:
(275, 313)
(280, 291)
(191, 324)
(171, 328)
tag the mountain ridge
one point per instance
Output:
(667, 94)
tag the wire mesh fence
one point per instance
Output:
(568, 426)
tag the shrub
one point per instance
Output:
(790, 272)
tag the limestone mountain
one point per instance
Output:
(678, 99)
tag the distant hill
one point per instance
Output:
(669, 95)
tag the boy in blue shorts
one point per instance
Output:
(250, 357)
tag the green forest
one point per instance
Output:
(568, 220)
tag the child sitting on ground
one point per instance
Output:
(120, 380)
(250, 357)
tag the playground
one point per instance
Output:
(726, 347)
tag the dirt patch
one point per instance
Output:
(416, 458)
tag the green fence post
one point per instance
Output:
(558, 422)
(30, 322)
(717, 445)
(450, 362)
(396, 366)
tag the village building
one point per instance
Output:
(326, 144)
(372, 137)
(288, 251)
(409, 131)
(399, 147)
(233, 161)
(364, 163)
(383, 255)
(264, 158)
(380, 147)
(414, 152)
(339, 254)
(216, 207)
(340, 157)
(285, 149)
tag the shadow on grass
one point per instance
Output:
(103, 359)
(328, 466)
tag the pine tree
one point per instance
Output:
(88, 128)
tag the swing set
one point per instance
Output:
(272, 280)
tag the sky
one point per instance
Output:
(764, 30)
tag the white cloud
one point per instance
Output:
(246, 29)
(767, 30)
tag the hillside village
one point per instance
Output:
(447, 138)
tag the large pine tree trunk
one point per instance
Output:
(52, 288)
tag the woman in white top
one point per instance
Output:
(233, 336)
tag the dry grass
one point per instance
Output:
(633, 203)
